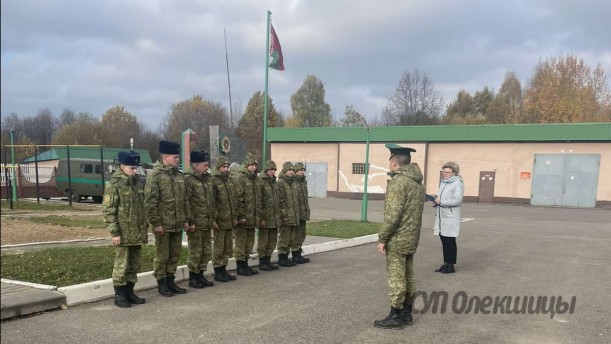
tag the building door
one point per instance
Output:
(486, 186)
(316, 174)
(565, 180)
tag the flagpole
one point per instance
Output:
(228, 81)
(269, 14)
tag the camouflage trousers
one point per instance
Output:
(288, 238)
(167, 252)
(223, 247)
(400, 276)
(301, 234)
(244, 242)
(127, 265)
(200, 250)
(267, 240)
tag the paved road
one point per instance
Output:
(503, 251)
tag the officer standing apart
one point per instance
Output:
(202, 218)
(249, 208)
(289, 213)
(226, 219)
(123, 210)
(400, 234)
(304, 213)
(166, 204)
(270, 217)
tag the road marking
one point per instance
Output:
(465, 219)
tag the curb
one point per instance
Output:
(103, 289)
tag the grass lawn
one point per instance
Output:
(71, 265)
(70, 221)
(44, 205)
(342, 228)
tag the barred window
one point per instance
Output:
(358, 168)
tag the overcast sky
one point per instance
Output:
(148, 54)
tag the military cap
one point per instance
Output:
(129, 158)
(169, 147)
(250, 160)
(299, 166)
(270, 165)
(395, 149)
(221, 161)
(287, 166)
(199, 156)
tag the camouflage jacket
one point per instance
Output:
(123, 209)
(248, 193)
(225, 200)
(165, 198)
(302, 195)
(270, 202)
(403, 207)
(289, 201)
(200, 195)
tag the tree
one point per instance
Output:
(352, 118)
(85, 130)
(415, 100)
(459, 109)
(250, 126)
(119, 126)
(481, 102)
(308, 104)
(508, 104)
(565, 89)
(41, 128)
(198, 114)
(67, 117)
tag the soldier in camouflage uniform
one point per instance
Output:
(249, 207)
(289, 213)
(226, 219)
(270, 217)
(123, 209)
(166, 206)
(400, 234)
(202, 216)
(304, 213)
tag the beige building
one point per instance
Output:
(545, 164)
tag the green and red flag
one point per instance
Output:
(275, 51)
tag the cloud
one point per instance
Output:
(148, 54)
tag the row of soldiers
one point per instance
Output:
(219, 205)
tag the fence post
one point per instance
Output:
(36, 165)
(69, 177)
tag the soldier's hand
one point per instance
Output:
(262, 224)
(242, 221)
(381, 247)
(215, 225)
(186, 226)
(116, 240)
(158, 230)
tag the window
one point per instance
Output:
(358, 168)
(86, 168)
(98, 169)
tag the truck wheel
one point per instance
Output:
(97, 199)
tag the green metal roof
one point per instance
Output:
(60, 153)
(449, 133)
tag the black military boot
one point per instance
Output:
(251, 270)
(297, 258)
(242, 268)
(169, 281)
(449, 269)
(162, 288)
(230, 276)
(204, 281)
(273, 265)
(263, 266)
(406, 314)
(194, 281)
(120, 299)
(219, 275)
(131, 296)
(284, 261)
(392, 321)
(306, 259)
(441, 268)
